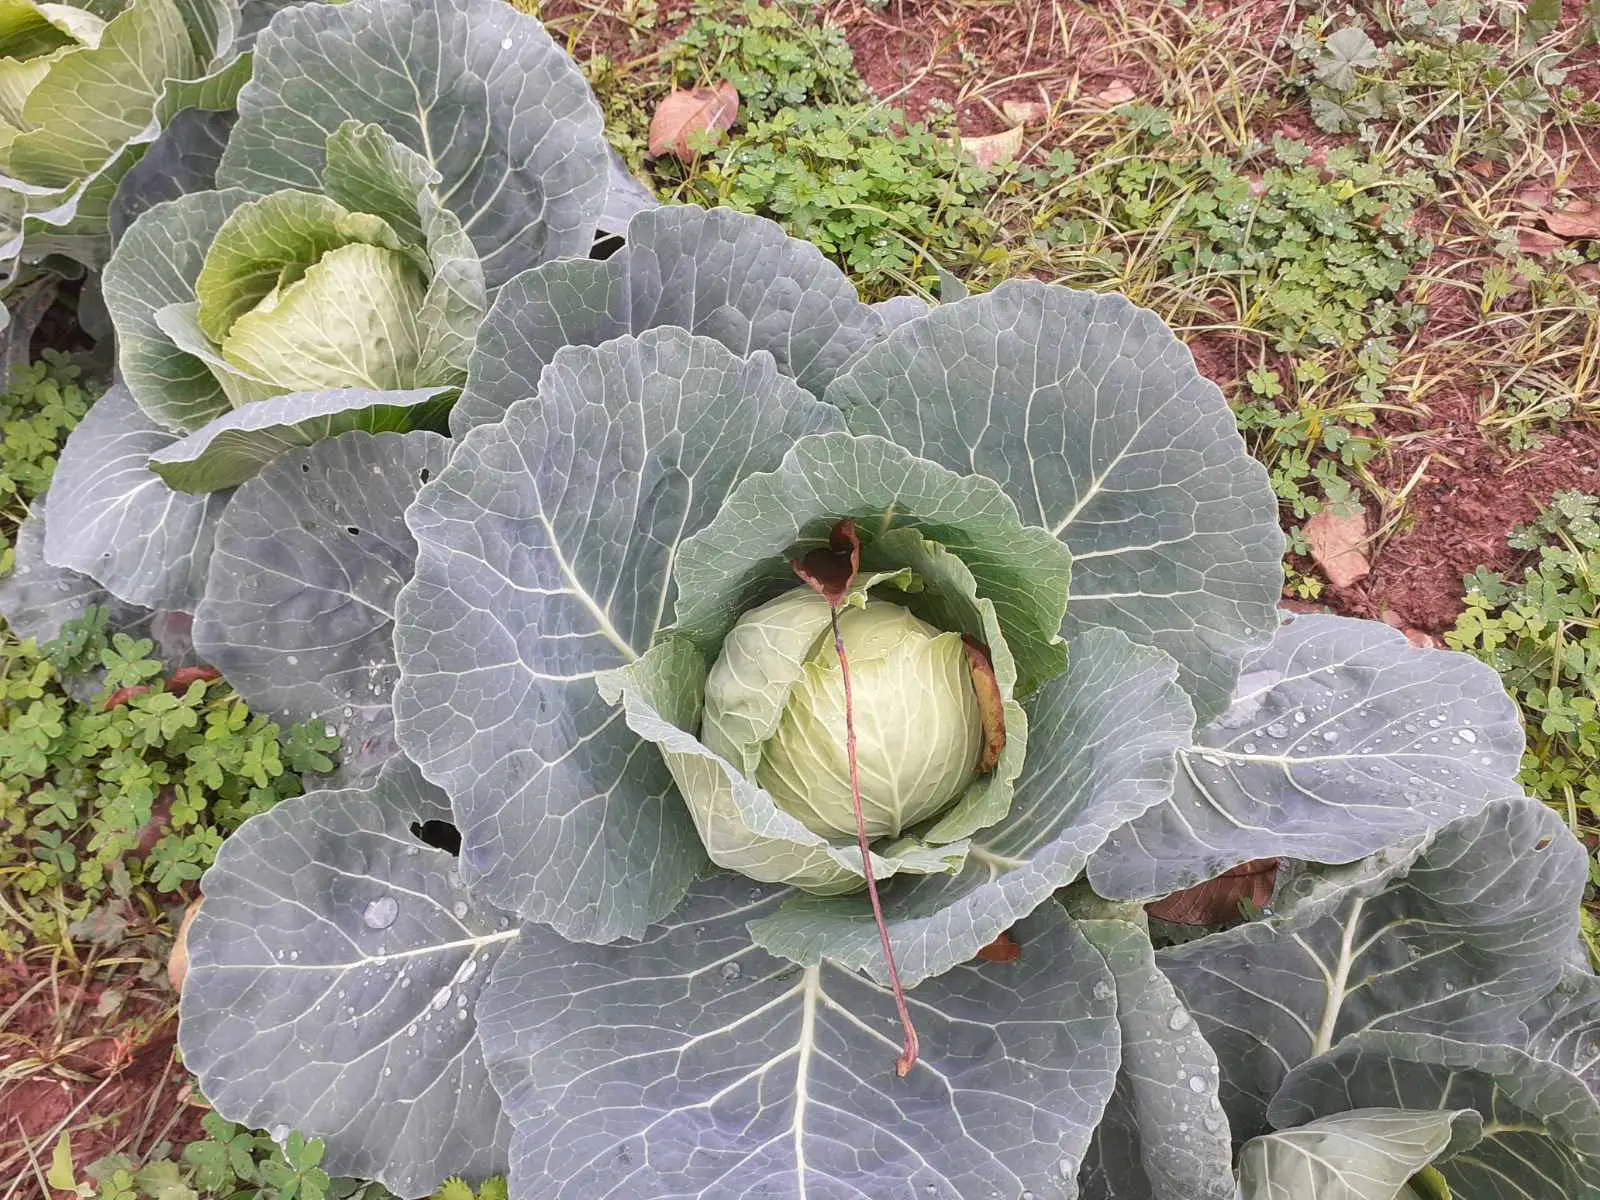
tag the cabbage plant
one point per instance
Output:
(84, 91)
(318, 268)
(721, 923)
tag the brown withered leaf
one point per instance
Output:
(994, 148)
(178, 960)
(1216, 901)
(1025, 112)
(830, 570)
(1117, 93)
(990, 704)
(689, 111)
(1578, 219)
(1338, 546)
(1001, 950)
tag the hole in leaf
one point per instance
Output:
(351, 530)
(305, 468)
(1542, 844)
(424, 474)
(441, 835)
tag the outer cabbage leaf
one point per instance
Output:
(625, 197)
(1365, 1154)
(1091, 416)
(37, 599)
(1342, 739)
(154, 269)
(740, 558)
(722, 274)
(182, 160)
(1102, 738)
(114, 520)
(1163, 1136)
(545, 561)
(1540, 1124)
(239, 444)
(1564, 1026)
(476, 88)
(692, 1064)
(333, 973)
(1478, 928)
(310, 555)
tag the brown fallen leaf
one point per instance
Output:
(995, 147)
(1001, 950)
(178, 961)
(1116, 93)
(690, 111)
(1579, 219)
(1216, 901)
(1025, 112)
(1537, 243)
(1337, 546)
(991, 713)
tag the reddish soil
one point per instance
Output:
(88, 1049)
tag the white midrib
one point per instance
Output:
(1337, 979)
(810, 991)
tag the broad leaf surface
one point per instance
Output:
(1163, 1136)
(310, 555)
(334, 971)
(1564, 1026)
(155, 266)
(1541, 1125)
(476, 88)
(182, 160)
(1091, 416)
(239, 444)
(741, 558)
(1365, 1154)
(1478, 929)
(114, 520)
(722, 274)
(692, 1064)
(1101, 739)
(546, 551)
(37, 599)
(1342, 739)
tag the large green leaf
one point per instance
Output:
(1457, 943)
(1365, 1154)
(1540, 1124)
(1091, 416)
(476, 88)
(1101, 739)
(334, 969)
(692, 1064)
(114, 520)
(1341, 740)
(545, 561)
(154, 268)
(741, 557)
(37, 599)
(182, 160)
(1163, 1136)
(310, 555)
(239, 444)
(723, 274)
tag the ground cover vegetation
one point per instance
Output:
(346, 371)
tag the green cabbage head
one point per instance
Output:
(249, 322)
(775, 704)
